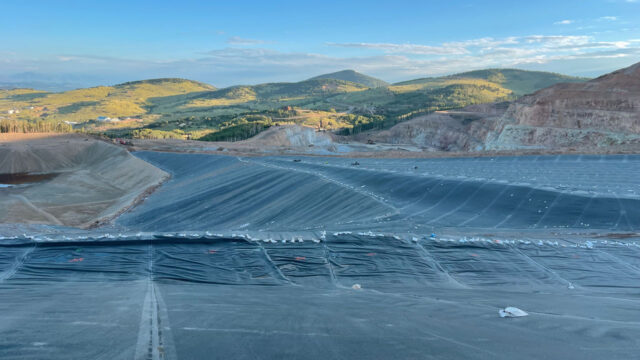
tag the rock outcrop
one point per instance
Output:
(460, 130)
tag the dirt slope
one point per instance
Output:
(283, 139)
(602, 112)
(91, 180)
(600, 115)
(459, 130)
(291, 136)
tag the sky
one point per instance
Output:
(224, 43)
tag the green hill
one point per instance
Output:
(407, 99)
(520, 82)
(397, 103)
(238, 99)
(183, 108)
(81, 105)
(354, 77)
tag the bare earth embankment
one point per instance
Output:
(300, 140)
(69, 179)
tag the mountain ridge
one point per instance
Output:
(510, 78)
(182, 108)
(353, 76)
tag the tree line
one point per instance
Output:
(23, 126)
(238, 132)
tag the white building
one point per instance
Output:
(107, 119)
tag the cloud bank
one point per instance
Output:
(250, 61)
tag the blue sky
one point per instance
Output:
(247, 42)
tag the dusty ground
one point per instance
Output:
(16, 137)
(90, 180)
(298, 140)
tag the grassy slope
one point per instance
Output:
(240, 99)
(397, 102)
(355, 77)
(128, 99)
(520, 82)
(18, 98)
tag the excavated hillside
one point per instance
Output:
(599, 113)
(283, 139)
(291, 136)
(460, 130)
(69, 180)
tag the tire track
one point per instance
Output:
(154, 337)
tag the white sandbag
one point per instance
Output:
(511, 311)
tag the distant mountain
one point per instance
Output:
(354, 77)
(48, 82)
(184, 108)
(520, 82)
(164, 82)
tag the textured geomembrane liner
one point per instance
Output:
(277, 194)
(350, 291)
(429, 298)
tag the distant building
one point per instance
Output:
(13, 111)
(107, 119)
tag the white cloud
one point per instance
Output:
(597, 45)
(608, 18)
(235, 40)
(557, 40)
(450, 49)
(238, 64)
(564, 22)
(483, 44)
